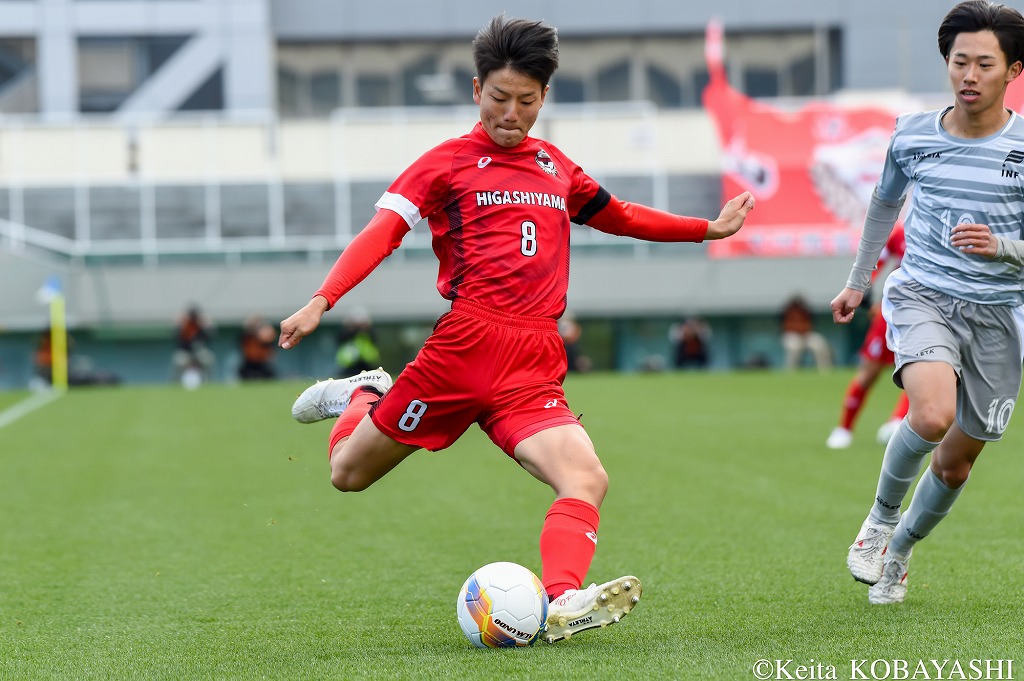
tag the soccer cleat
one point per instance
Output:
(596, 606)
(867, 551)
(839, 438)
(892, 587)
(887, 430)
(327, 399)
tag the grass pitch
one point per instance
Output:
(154, 533)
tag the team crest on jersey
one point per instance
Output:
(545, 163)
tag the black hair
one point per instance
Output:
(973, 16)
(527, 47)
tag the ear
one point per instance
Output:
(544, 93)
(1014, 71)
(476, 89)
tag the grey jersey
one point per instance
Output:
(957, 181)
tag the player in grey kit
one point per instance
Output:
(951, 306)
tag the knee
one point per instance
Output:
(954, 476)
(346, 479)
(930, 422)
(596, 482)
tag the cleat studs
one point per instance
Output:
(626, 609)
(568, 634)
(551, 639)
(627, 585)
(596, 607)
(634, 600)
(604, 598)
(562, 621)
(615, 591)
(615, 619)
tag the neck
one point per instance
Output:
(960, 123)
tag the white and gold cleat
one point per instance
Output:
(596, 606)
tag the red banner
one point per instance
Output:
(811, 170)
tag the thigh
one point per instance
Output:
(931, 388)
(365, 457)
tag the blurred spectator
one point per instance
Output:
(690, 339)
(193, 359)
(257, 343)
(357, 345)
(571, 332)
(799, 336)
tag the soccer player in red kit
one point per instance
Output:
(875, 355)
(499, 205)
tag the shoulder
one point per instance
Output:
(449, 147)
(1016, 127)
(917, 122)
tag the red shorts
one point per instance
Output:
(501, 371)
(874, 348)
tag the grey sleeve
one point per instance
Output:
(1010, 250)
(878, 223)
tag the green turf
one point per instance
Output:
(154, 533)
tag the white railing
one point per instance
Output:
(96, 189)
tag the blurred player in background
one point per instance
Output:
(499, 205)
(951, 306)
(875, 355)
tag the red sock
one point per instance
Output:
(567, 544)
(360, 403)
(901, 408)
(852, 403)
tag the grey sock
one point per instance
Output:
(930, 504)
(902, 462)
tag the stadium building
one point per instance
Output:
(156, 154)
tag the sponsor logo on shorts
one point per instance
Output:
(925, 352)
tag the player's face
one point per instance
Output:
(978, 72)
(509, 104)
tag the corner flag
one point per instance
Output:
(52, 293)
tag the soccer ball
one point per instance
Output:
(502, 605)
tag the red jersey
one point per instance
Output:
(499, 219)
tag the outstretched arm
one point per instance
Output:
(377, 241)
(650, 224)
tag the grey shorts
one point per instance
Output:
(981, 342)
